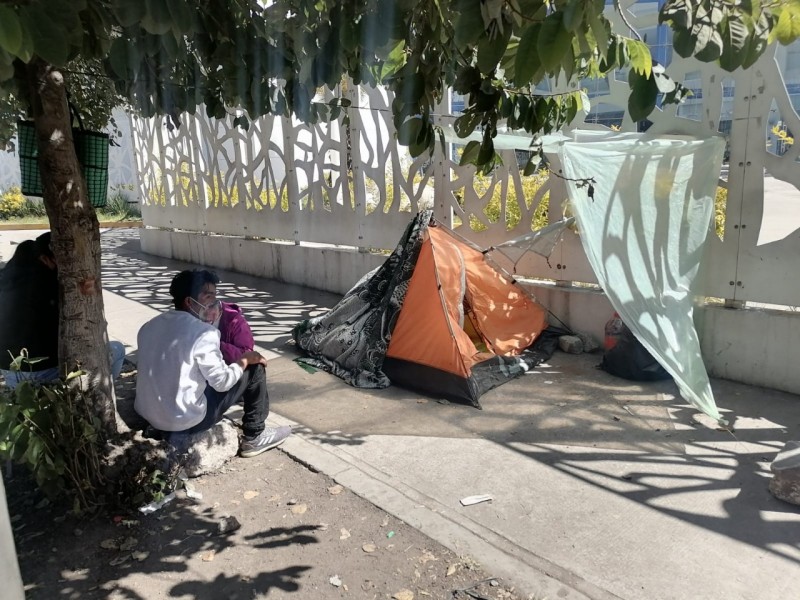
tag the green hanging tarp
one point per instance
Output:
(643, 228)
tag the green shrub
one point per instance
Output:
(14, 204)
(530, 187)
(720, 206)
(120, 208)
(52, 430)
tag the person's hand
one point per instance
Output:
(251, 358)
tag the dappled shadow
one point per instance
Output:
(117, 554)
(679, 487)
(241, 586)
(271, 313)
(284, 536)
(332, 438)
(639, 442)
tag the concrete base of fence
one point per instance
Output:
(749, 345)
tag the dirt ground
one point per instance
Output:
(264, 527)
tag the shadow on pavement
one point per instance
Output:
(640, 442)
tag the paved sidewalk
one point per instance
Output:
(602, 489)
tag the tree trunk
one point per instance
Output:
(75, 239)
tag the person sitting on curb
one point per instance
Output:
(29, 313)
(236, 338)
(184, 385)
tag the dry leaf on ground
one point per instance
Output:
(129, 543)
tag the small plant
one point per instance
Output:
(52, 430)
(120, 208)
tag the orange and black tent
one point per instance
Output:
(436, 317)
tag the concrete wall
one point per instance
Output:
(312, 265)
(749, 345)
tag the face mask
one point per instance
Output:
(207, 313)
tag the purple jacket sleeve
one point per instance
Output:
(236, 337)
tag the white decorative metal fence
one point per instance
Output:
(348, 182)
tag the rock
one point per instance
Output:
(785, 484)
(589, 345)
(208, 451)
(228, 524)
(571, 344)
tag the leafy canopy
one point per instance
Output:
(170, 57)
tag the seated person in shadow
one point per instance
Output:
(29, 315)
(184, 385)
(236, 338)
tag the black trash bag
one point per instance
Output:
(626, 357)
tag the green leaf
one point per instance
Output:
(49, 38)
(664, 83)
(466, 123)
(157, 19)
(119, 57)
(554, 41)
(758, 41)
(639, 56)
(678, 12)
(644, 93)
(468, 25)
(533, 164)
(573, 15)
(486, 151)
(348, 36)
(712, 50)
(490, 51)
(409, 131)
(568, 64)
(129, 12)
(470, 154)
(10, 30)
(424, 141)
(683, 43)
(242, 122)
(733, 53)
(702, 34)
(600, 30)
(181, 15)
(528, 60)
(788, 27)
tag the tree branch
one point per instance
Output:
(625, 20)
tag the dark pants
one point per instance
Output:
(251, 389)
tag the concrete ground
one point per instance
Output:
(602, 488)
